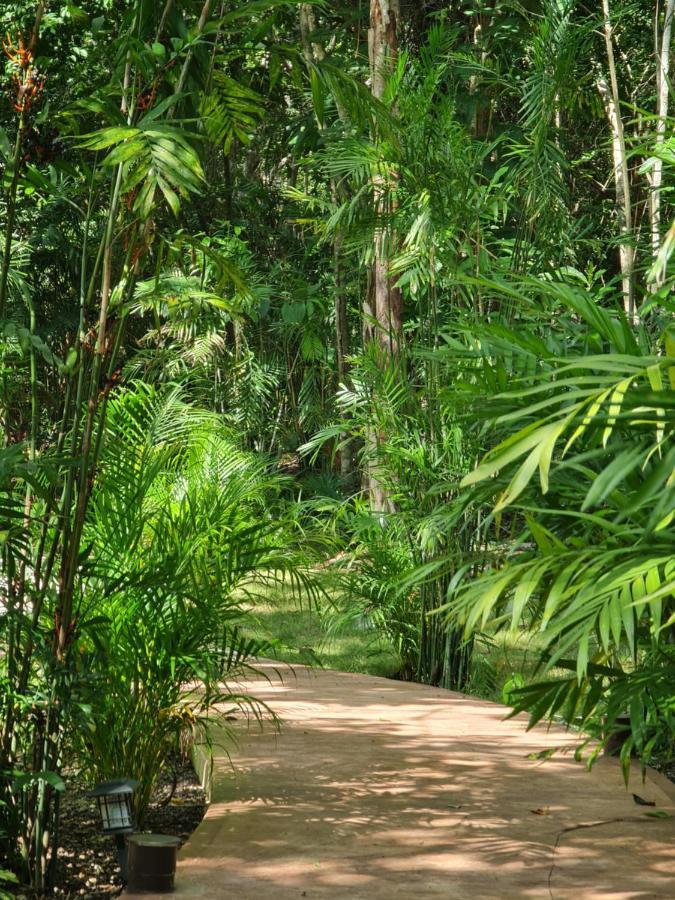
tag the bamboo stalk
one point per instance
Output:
(201, 24)
(611, 100)
(663, 90)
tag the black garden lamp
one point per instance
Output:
(114, 803)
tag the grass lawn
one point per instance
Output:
(497, 661)
(301, 635)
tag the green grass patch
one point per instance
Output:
(301, 635)
(499, 660)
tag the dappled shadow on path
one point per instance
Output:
(378, 789)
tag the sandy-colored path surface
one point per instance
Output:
(379, 789)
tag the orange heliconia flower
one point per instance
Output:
(26, 79)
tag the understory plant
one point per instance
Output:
(420, 455)
(368, 582)
(184, 528)
(121, 165)
(319, 219)
(580, 419)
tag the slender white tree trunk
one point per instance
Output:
(663, 96)
(383, 47)
(383, 305)
(312, 50)
(610, 96)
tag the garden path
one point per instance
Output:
(381, 789)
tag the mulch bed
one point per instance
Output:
(87, 864)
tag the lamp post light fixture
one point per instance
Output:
(114, 803)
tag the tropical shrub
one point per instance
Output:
(369, 583)
(580, 479)
(183, 529)
(419, 457)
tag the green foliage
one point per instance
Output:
(112, 573)
(231, 111)
(581, 477)
(370, 588)
(179, 536)
(207, 198)
(397, 572)
(152, 156)
(311, 634)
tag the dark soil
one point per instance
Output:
(87, 863)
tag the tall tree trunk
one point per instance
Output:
(312, 50)
(383, 304)
(663, 93)
(386, 309)
(313, 53)
(610, 97)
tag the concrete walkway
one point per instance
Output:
(380, 789)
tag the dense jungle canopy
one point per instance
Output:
(367, 304)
